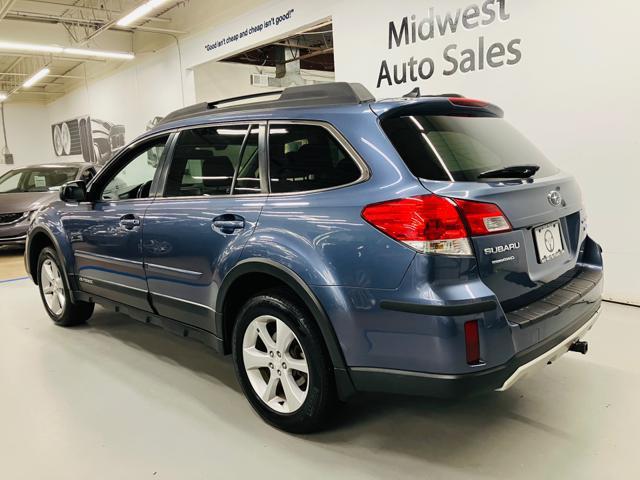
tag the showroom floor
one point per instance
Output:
(118, 399)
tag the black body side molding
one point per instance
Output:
(440, 310)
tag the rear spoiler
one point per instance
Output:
(443, 104)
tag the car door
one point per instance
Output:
(106, 234)
(192, 235)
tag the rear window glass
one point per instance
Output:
(307, 157)
(206, 162)
(460, 148)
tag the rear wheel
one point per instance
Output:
(281, 363)
(55, 294)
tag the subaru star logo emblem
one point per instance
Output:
(554, 198)
(549, 241)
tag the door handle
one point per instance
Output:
(129, 221)
(228, 223)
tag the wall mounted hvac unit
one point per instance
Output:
(96, 140)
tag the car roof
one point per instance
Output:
(314, 102)
(56, 165)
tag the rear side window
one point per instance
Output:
(215, 161)
(307, 157)
(460, 148)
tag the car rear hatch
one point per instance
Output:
(464, 150)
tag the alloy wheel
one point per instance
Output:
(52, 287)
(275, 364)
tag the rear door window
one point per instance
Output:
(454, 148)
(307, 157)
(215, 161)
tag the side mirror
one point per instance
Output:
(75, 191)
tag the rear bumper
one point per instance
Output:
(497, 378)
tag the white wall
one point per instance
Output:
(131, 96)
(28, 134)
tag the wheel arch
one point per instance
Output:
(286, 276)
(40, 238)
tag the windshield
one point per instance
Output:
(35, 179)
(461, 148)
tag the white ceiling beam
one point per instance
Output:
(113, 24)
(88, 8)
(5, 6)
(57, 56)
(99, 24)
(33, 92)
(15, 74)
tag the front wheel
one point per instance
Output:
(281, 363)
(55, 294)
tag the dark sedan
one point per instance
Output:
(24, 190)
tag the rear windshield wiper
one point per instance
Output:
(514, 171)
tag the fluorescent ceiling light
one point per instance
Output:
(82, 52)
(36, 78)
(3, 96)
(85, 52)
(142, 11)
(30, 47)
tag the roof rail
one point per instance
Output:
(205, 106)
(244, 97)
(334, 93)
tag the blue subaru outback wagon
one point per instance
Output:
(333, 244)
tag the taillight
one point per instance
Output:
(472, 342)
(434, 224)
(483, 218)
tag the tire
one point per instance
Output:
(55, 294)
(270, 367)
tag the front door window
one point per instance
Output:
(134, 179)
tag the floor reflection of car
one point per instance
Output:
(24, 190)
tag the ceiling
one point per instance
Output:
(92, 24)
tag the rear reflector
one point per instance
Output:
(472, 342)
(434, 224)
(468, 102)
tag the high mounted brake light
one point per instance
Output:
(467, 102)
(435, 224)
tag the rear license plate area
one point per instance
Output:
(548, 241)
